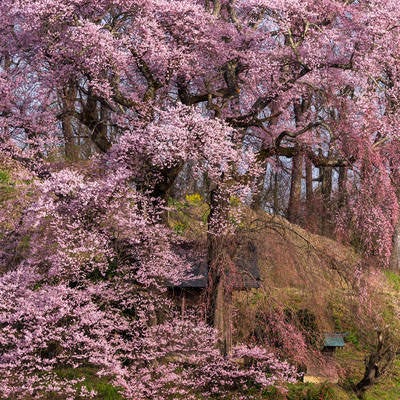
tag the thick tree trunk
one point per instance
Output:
(326, 191)
(376, 364)
(92, 117)
(342, 198)
(71, 149)
(309, 204)
(70, 146)
(294, 207)
(219, 292)
(326, 183)
(219, 302)
(257, 200)
(223, 319)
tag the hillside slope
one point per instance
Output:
(316, 284)
(310, 286)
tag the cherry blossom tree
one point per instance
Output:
(103, 105)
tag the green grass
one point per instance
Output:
(393, 279)
(325, 391)
(105, 390)
(4, 177)
(353, 337)
(388, 387)
(6, 186)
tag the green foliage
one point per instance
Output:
(204, 216)
(4, 177)
(22, 248)
(353, 337)
(379, 393)
(194, 199)
(188, 216)
(105, 390)
(307, 323)
(234, 201)
(96, 275)
(176, 204)
(343, 320)
(308, 391)
(272, 393)
(6, 185)
(393, 279)
(180, 227)
(343, 323)
(337, 316)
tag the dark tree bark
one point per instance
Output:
(294, 207)
(342, 198)
(219, 291)
(257, 200)
(309, 181)
(68, 101)
(326, 186)
(309, 204)
(326, 192)
(376, 363)
(91, 117)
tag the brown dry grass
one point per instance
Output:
(299, 269)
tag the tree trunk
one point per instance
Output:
(376, 364)
(309, 182)
(294, 206)
(257, 200)
(71, 148)
(219, 292)
(342, 198)
(92, 116)
(326, 183)
(326, 191)
(223, 316)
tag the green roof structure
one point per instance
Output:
(334, 340)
